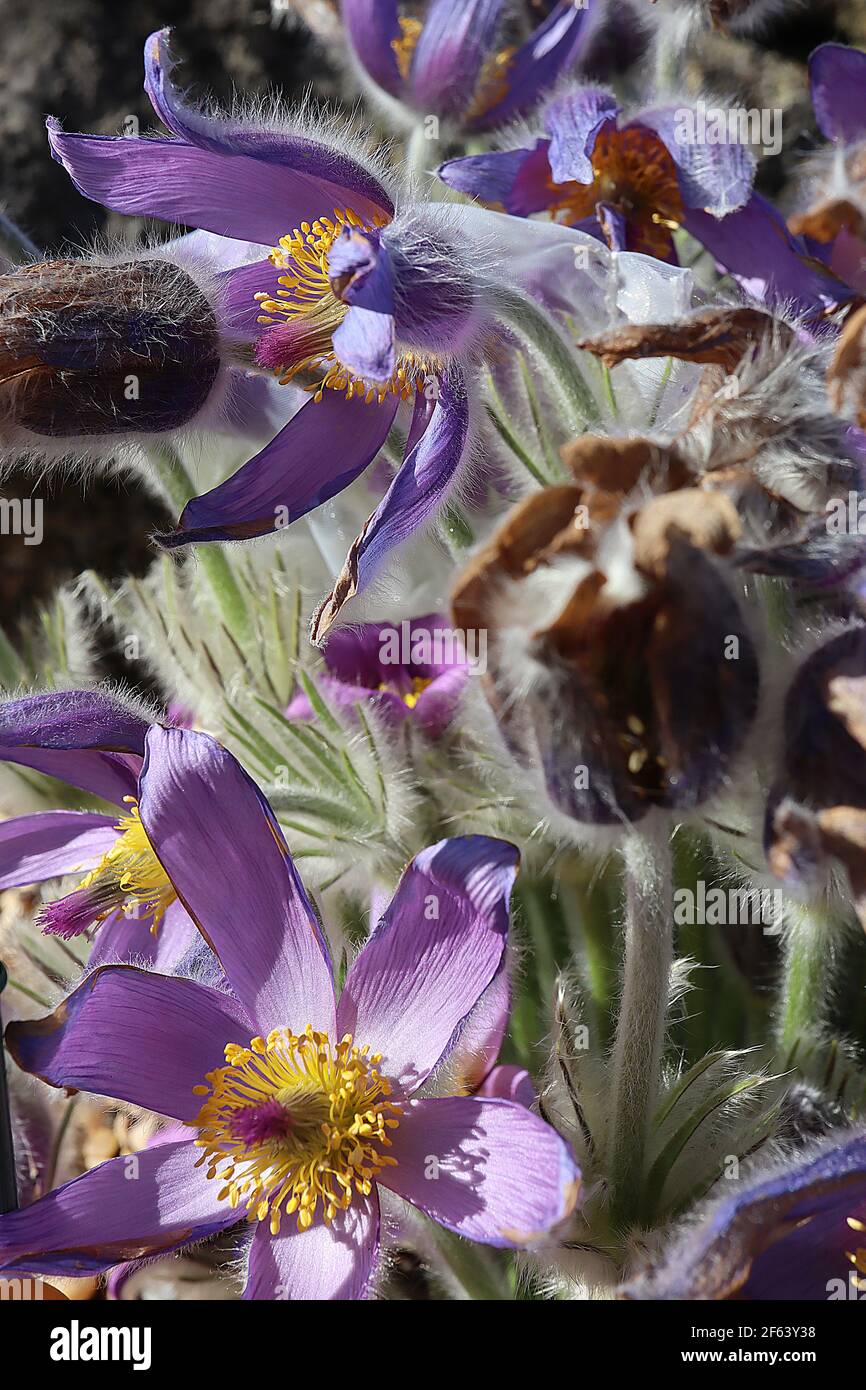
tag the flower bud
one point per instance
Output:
(88, 348)
(619, 663)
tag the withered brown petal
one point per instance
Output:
(846, 375)
(826, 220)
(717, 336)
(617, 465)
(708, 520)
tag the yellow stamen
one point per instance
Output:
(131, 872)
(296, 1121)
(410, 697)
(404, 46)
(307, 301)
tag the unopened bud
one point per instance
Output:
(98, 349)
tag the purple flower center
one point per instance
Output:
(258, 1124)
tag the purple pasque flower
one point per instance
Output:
(95, 743)
(298, 1106)
(796, 1230)
(833, 225)
(378, 313)
(446, 57)
(417, 669)
(632, 181)
(628, 180)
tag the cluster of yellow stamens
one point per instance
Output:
(857, 1257)
(307, 301)
(296, 1120)
(130, 875)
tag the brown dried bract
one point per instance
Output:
(618, 465)
(708, 520)
(720, 337)
(846, 376)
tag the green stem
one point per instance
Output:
(419, 157)
(474, 1267)
(179, 488)
(538, 328)
(637, 1049)
(807, 977)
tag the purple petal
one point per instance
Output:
(780, 1235)
(517, 180)
(837, 77)
(435, 951)
(715, 178)
(456, 39)
(437, 705)
(104, 1217)
(83, 737)
(123, 940)
(556, 46)
(295, 160)
(509, 1083)
(360, 264)
(474, 1054)
(387, 705)
(233, 195)
(325, 1263)
(217, 840)
(365, 343)
(755, 246)
(419, 489)
(52, 843)
(504, 1176)
(573, 122)
(372, 27)
(318, 453)
(134, 1036)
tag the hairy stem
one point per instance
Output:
(637, 1048)
(807, 977)
(178, 487)
(536, 327)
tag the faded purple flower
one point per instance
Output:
(416, 669)
(446, 58)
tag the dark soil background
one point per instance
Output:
(81, 60)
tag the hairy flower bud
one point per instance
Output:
(88, 348)
(620, 664)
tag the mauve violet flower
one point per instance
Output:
(795, 1231)
(381, 311)
(418, 669)
(833, 225)
(94, 743)
(272, 1074)
(629, 181)
(445, 58)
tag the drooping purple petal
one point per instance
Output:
(435, 951)
(474, 1054)
(372, 27)
(716, 178)
(553, 49)
(517, 180)
(837, 77)
(487, 1169)
(419, 489)
(573, 122)
(325, 1263)
(234, 195)
(756, 247)
(107, 1216)
(342, 179)
(217, 840)
(318, 453)
(134, 1036)
(52, 843)
(456, 39)
(509, 1083)
(83, 737)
